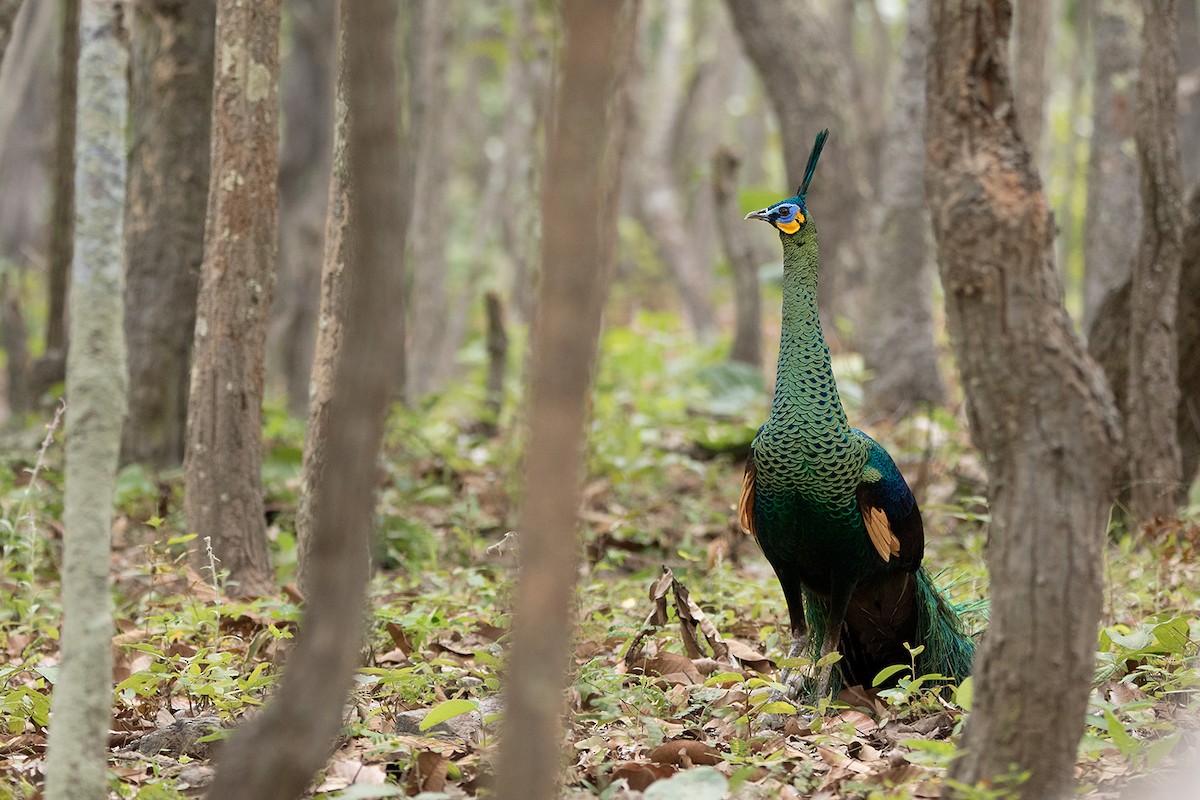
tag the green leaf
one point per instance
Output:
(1120, 737)
(699, 783)
(964, 695)
(724, 677)
(777, 707)
(447, 710)
(1173, 635)
(888, 672)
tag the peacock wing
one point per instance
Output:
(746, 501)
(889, 510)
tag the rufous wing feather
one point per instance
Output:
(880, 531)
(746, 501)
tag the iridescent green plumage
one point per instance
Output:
(828, 506)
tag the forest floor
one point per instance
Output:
(655, 710)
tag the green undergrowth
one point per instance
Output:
(669, 426)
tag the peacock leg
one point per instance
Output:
(794, 678)
(839, 602)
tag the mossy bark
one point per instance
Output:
(77, 766)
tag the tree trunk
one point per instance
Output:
(307, 105)
(1112, 179)
(1037, 405)
(82, 705)
(1189, 91)
(1187, 327)
(14, 339)
(8, 16)
(276, 754)
(171, 85)
(1031, 42)
(1152, 395)
(747, 335)
(579, 195)
(658, 199)
(428, 355)
(809, 89)
(222, 477)
(62, 213)
(897, 337)
(26, 113)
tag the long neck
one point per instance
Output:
(807, 417)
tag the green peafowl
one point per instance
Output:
(830, 510)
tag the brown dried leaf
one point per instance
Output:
(678, 750)
(640, 774)
(429, 771)
(400, 638)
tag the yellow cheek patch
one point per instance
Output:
(790, 227)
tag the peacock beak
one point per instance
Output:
(762, 213)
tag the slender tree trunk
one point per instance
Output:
(578, 236)
(1038, 409)
(14, 339)
(307, 105)
(809, 88)
(62, 213)
(8, 15)
(222, 477)
(1189, 91)
(1112, 179)
(428, 309)
(1035, 20)
(276, 755)
(1152, 396)
(898, 328)
(658, 198)
(747, 335)
(82, 705)
(331, 318)
(1188, 328)
(171, 85)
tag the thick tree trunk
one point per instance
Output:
(579, 195)
(897, 337)
(222, 477)
(1112, 179)
(171, 100)
(306, 81)
(1152, 395)
(809, 89)
(747, 297)
(1038, 409)
(82, 705)
(276, 755)
(1035, 20)
(59, 250)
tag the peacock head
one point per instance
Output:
(790, 215)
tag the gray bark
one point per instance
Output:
(578, 237)
(1152, 394)
(8, 15)
(658, 200)
(307, 106)
(276, 754)
(898, 331)
(429, 354)
(1038, 408)
(1035, 21)
(747, 336)
(809, 88)
(1112, 178)
(1189, 91)
(171, 84)
(59, 249)
(223, 464)
(82, 704)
